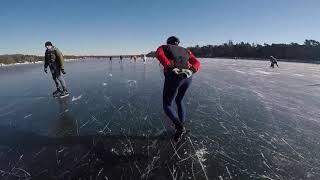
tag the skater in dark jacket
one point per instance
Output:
(54, 59)
(273, 61)
(179, 66)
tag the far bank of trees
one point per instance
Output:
(309, 51)
(19, 58)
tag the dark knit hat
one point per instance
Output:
(48, 43)
(173, 40)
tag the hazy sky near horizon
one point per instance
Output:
(110, 27)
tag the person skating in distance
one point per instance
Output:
(273, 61)
(120, 59)
(54, 59)
(144, 58)
(179, 66)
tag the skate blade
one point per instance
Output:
(64, 96)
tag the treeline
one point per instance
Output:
(19, 58)
(307, 52)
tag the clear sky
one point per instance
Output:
(106, 27)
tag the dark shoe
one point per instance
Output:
(178, 134)
(56, 93)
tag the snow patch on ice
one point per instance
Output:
(240, 71)
(27, 116)
(76, 98)
(263, 72)
(104, 84)
(110, 75)
(299, 75)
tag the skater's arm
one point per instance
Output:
(195, 63)
(60, 57)
(274, 59)
(46, 61)
(166, 63)
(46, 64)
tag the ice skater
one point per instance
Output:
(179, 66)
(144, 58)
(120, 59)
(54, 59)
(273, 61)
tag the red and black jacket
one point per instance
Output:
(165, 56)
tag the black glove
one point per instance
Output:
(45, 70)
(63, 72)
(187, 73)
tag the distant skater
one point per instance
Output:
(179, 66)
(273, 61)
(54, 59)
(144, 58)
(120, 59)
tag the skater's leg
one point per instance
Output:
(54, 77)
(62, 82)
(181, 92)
(169, 92)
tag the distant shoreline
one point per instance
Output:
(27, 62)
(229, 58)
(263, 59)
(19, 59)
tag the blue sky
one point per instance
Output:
(106, 27)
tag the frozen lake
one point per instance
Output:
(247, 121)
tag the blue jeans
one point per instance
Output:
(57, 77)
(175, 87)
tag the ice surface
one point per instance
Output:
(247, 121)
